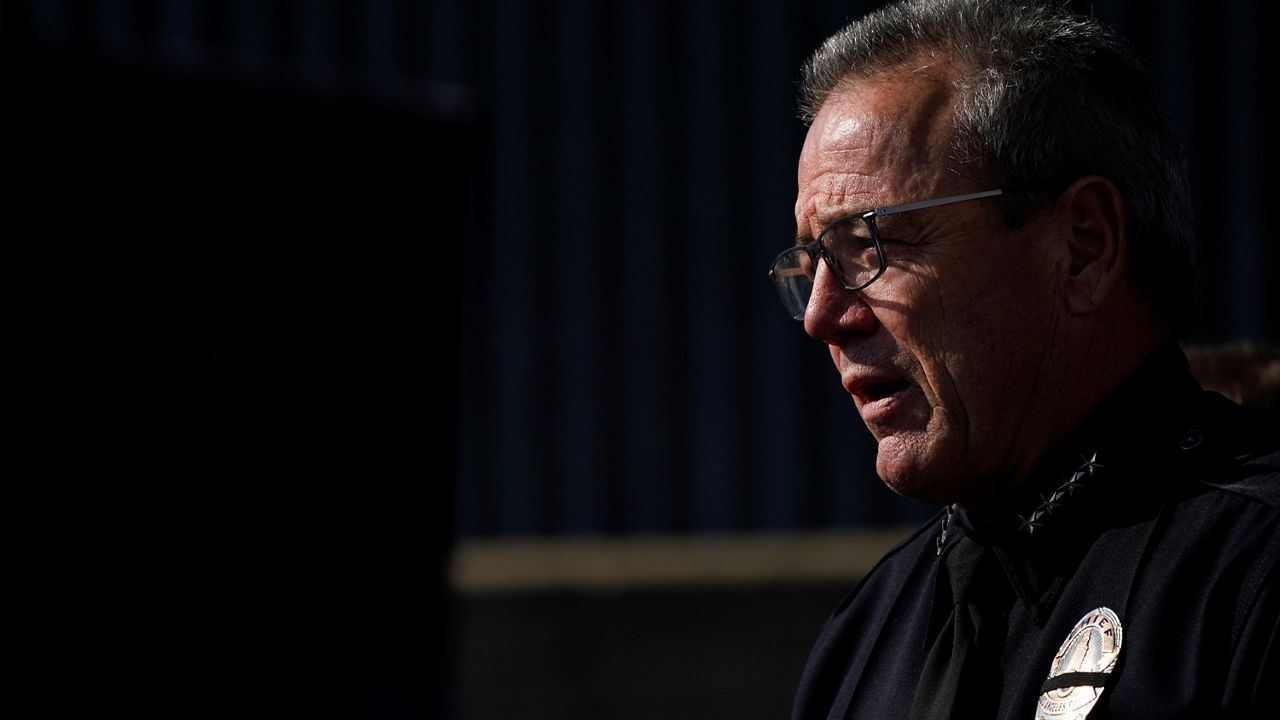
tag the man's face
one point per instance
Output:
(941, 354)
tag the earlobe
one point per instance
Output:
(1095, 242)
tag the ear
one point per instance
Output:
(1093, 215)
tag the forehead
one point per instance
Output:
(876, 142)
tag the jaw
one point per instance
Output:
(915, 462)
(932, 462)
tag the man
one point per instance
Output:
(1005, 320)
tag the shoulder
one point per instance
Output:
(1219, 545)
(1220, 529)
(1231, 458)
(1236, 453)
(892, 571)
(886, 610)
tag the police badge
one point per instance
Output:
(1079, 671)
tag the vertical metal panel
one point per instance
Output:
(781, 493)
(180, 29)
(640, 227)
(248, 28)
(1241, 135)
(709, 350)
(576, 282)
(378, 37)
(118, 27)
(512, 337)
(49, 20)
(313, 29)
(448, 35)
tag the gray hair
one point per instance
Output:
(1046, 97)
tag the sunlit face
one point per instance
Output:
(941, 354)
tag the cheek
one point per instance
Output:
(932, 325)
(996, 337)
(962, 335)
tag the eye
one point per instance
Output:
(895, 230)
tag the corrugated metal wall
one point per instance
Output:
(628, 370)
(626, 367)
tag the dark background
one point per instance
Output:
(482, 270)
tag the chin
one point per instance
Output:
(906, 482)
(915, 475)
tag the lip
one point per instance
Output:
(875, 392)
(868, 385)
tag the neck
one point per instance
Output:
(1120, 423)
(1079, 375)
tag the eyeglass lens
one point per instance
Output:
(850, 253)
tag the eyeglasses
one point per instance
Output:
(851, 248)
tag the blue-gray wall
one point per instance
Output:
(625, 366)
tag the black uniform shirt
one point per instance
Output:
(1174, 525)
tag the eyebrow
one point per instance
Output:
(898, 223)
(825, 220)
(894, 223)
(893, 216)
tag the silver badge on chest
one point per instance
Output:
(1079, 671)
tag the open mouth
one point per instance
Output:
(880, 390)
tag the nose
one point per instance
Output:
(833, 313)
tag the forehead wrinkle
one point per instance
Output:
(830, 192)
(838, 149)
(880, 143)
(915, 128)
(911, 134)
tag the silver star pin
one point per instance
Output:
(1048, 504)
(1088, 465)
(1030, 523)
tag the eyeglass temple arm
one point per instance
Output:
(890, 210)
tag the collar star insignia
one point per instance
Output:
(1047, 504)
(1089, 464)
(1031, 523)
(1058, 497)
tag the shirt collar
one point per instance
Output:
(1105, 471)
